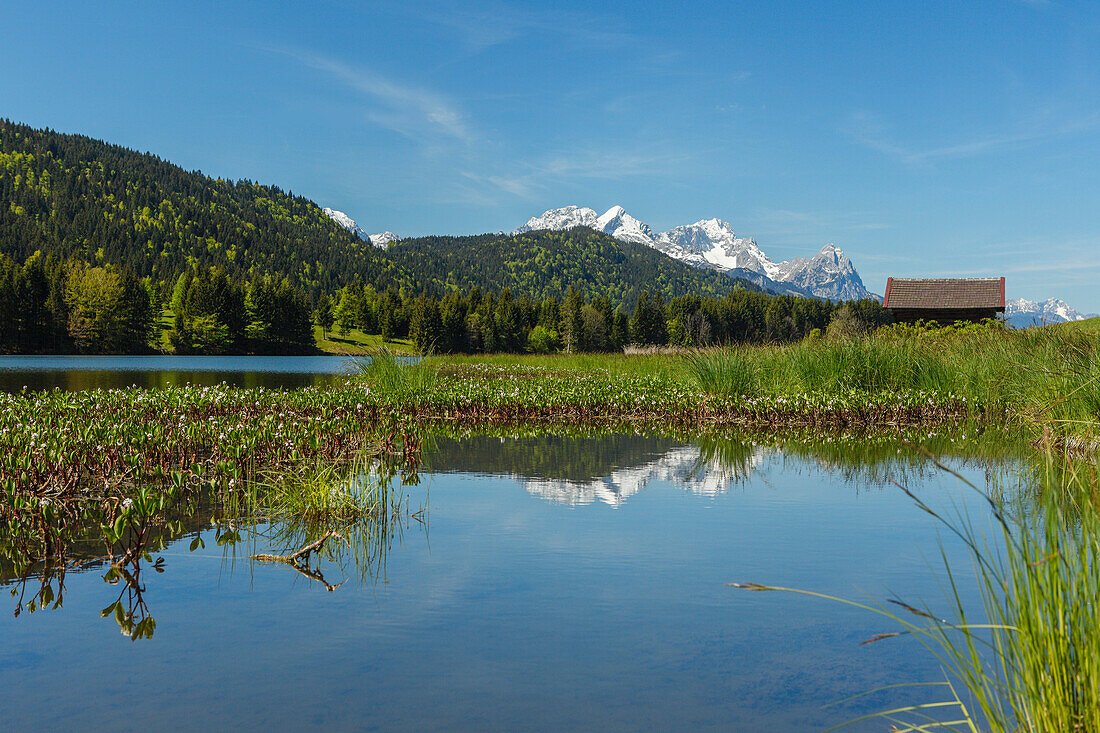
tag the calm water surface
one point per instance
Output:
(92, 372)
(558, 584)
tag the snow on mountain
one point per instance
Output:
(716, 245)
(383, 239)
(712, 244)
(566, 217)
(345, 221)
(621, 225)
(1022, 313)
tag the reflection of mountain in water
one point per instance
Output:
(611, 468)
(608, 468)
(683, 467)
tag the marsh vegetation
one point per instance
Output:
(312, 478)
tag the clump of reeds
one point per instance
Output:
(1050, 377)
(397, 378)
(324, 493)
(729, 372)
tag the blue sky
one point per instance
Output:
(924, 138)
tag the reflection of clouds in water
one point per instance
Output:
(684, 467)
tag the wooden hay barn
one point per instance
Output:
(944, 300)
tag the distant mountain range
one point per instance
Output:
(713, 244)
(1021, 313)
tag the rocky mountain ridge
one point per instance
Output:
(713, 244)
(1023, 313)
(380, 240)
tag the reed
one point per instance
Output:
(1029, 659)
(397, 378)
(730, 372)
(325, 493)
(1045, 377)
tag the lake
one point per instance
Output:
(106, 372)
(556, 583)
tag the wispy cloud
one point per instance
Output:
(413, 111)
(866, 130)
(610, 164)
(522, 187)
(1075, 266)
(532, 179)
(1074, 258)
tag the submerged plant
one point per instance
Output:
(329, 493)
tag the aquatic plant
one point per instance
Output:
(397, 378)
(1046, 377)
(726, 372)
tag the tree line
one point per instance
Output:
(50, 305)
(78, 197)
(98, 241)
(478, 321)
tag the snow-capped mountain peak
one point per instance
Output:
(829, 271)
(345, 221)
(717, 246)
(566, 217)
(621, 225)
(382, 239)
(713, 244)
(1023, 313)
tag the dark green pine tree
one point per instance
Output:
(507, 320)
(572, 325)
(647, 326)
(322, 315)
(426, 325)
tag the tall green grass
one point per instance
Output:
(327, 493)
(1051, 375)
(729, 372)
(397, 378)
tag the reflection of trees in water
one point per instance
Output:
(15, 380)
(543, 456)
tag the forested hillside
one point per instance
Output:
(73, 196)
(544, 264)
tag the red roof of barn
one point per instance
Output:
(945, 293)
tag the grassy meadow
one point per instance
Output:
(353, 343)
(1047, 380)
(357, 343)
